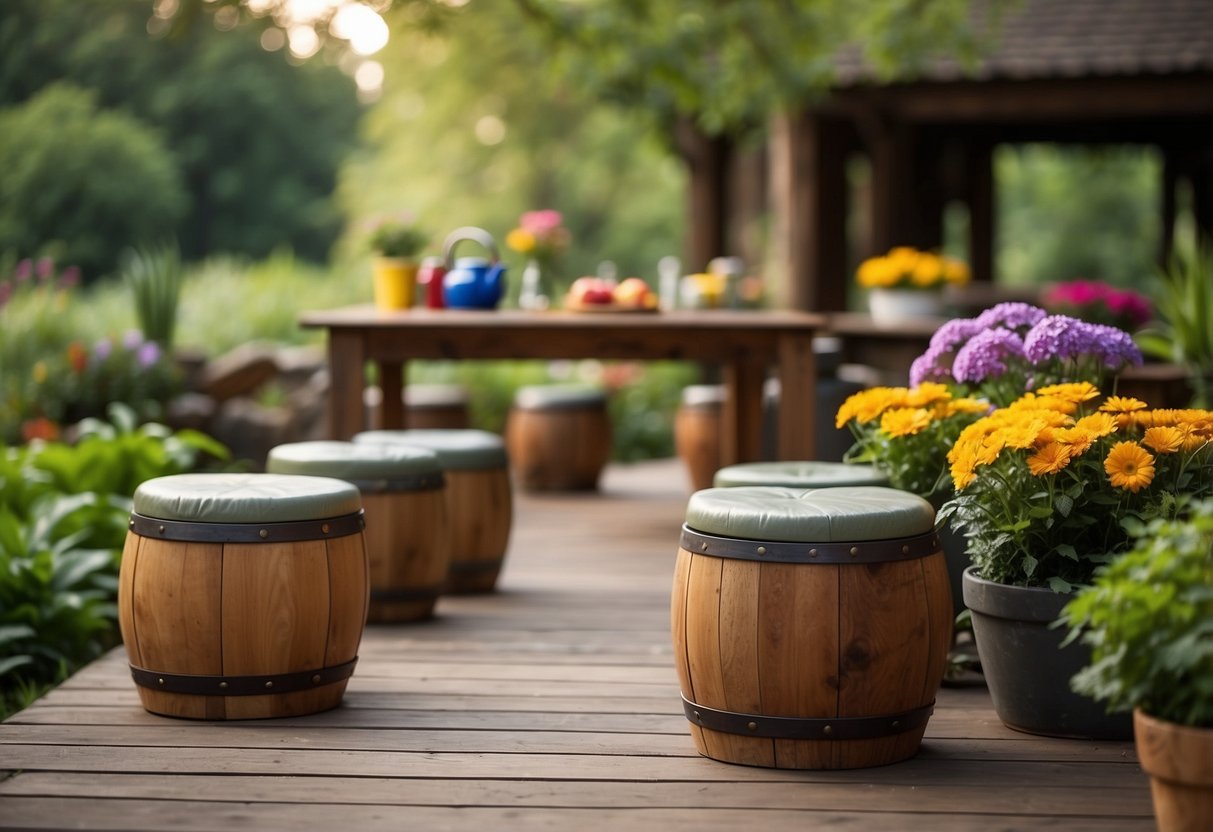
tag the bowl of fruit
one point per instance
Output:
(596, 294)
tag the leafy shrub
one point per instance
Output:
(63, 517)
(87, 181)
(153, 275)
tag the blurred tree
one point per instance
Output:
(472, 129)
(1069, 213)
(81, 182)
(258, 140)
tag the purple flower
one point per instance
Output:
(1057, 336)
(149, 353)
(954, 333)
(1115, 347)
(1012, 315)
(930, 366)
(132, 338)
(24, 269)
(986, 354)
(102, 349)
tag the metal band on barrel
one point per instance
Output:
(778, 551)
(467, 567)
(242, 685)
(403, 483)
(342, 526)
(399, 596)
(804, 728)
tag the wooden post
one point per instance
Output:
(980, 199)
(707, 159)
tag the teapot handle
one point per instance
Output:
(468, 232)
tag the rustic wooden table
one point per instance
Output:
(745, 344)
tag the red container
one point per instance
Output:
(430, 275)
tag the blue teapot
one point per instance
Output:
(472, 282)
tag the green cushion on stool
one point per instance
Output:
(457, 450)
(435, 395)
(558, 397)
(245, 498)
(348, 461)
(821, 515)
(814, 474)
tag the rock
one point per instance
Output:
(238, 372)
(250, 429)
(191, 410)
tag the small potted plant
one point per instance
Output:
(396, 242)
(541, 237)
(906, 283)
(1046, 491)
(1148, 621)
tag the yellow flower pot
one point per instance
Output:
(395, 281)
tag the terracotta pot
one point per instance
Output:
(1179, 761)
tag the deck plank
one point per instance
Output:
(552, 704)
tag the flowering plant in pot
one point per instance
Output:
(908, 283)
(541, 237)
(1047, 491)
(1148, 620)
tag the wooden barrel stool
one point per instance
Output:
(559, 437)
(697, 432)
(811, 474)
(407, 534)
(435, 407)
(811, 628)
(243, 596)
(478, 498)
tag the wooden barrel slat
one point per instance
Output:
(678, 630)
(408, 548)
(348, 590)
(739, 611)
(703, 645)
(480, 513)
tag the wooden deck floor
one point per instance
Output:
(550, 705)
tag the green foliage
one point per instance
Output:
(153, 275)
(1149, 622)
(63, 518)
(256, 140)
(392, 237)
(1076, 213)
(1184, 330)
(82, 180)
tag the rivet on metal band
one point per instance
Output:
(805, 728)
(193, 532)
(242, 685)
(780, 551)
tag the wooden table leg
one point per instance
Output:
(347, 362)
(391, 382)
(797, 438)
(741, 416)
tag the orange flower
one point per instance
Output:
(77, 357)
(1129, 466)
(40, 428)
(1163, 440)
(1050, 459)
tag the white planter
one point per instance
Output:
(894, 306)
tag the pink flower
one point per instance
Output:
(45, 267)
(541, 222)
(69, 277)
(24, 270)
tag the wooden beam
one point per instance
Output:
(980, 199)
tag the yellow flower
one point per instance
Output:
(1122, 404)
(1078, 391)
(1098, 424)
(521, 240)
(1163, 440)
(904, 421)
(966, 405)
(1129, 466)
(876, 272)
(954, 271)
(1050, 459)
(926, 393)
(1077, 438)
(40, 372)
(927, 270)
(867, 405)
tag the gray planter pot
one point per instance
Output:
(1027, 671)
